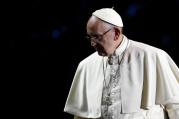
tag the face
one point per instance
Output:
(101, 36)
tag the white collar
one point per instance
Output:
(120, 49)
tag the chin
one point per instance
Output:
(102, 54)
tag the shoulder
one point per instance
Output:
(145, 48)
(91, 60)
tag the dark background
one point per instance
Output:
(43, 62)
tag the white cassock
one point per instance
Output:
(149, 77)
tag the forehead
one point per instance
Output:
(94, 24)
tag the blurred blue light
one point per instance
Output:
(56, 34)
(132, 9)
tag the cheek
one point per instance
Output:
(108, 44)
(105, 45)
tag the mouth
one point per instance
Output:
(100, 49)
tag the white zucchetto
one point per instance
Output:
(109, 15)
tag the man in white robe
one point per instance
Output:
(142, 81)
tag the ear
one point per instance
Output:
(117, 33)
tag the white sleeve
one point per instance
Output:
(75, 117)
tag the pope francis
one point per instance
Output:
(123, 79)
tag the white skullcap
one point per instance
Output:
(109, 15)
